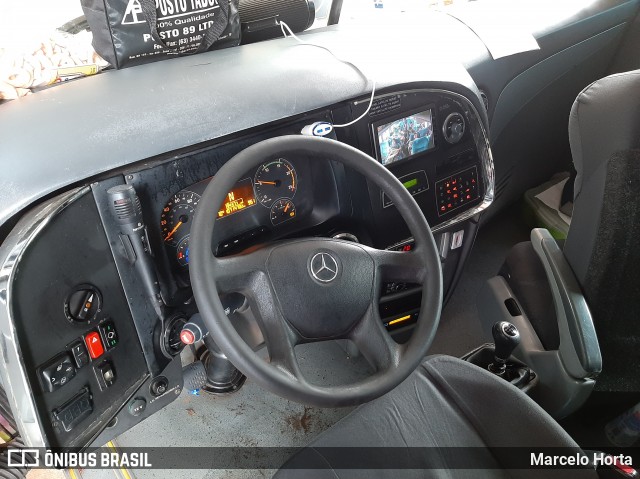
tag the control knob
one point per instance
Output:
(453, 128)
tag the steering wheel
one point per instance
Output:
(315, 289)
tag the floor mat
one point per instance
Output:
(251, 417)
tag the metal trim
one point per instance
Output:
(12, 367)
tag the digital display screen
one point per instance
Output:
(405, 137)
(238, 199)
(410, 183)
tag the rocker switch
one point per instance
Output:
(94, 345)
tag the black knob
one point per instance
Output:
(506, 338)
(159, 386)
(83, 304)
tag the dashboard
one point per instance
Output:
(71, 293)
(429, 139)
(123, 295)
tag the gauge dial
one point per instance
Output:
(282, 210)
(273, 180)
(176, 215)
(182, 253)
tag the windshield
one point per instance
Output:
(43, 43)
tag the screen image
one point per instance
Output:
(405, 137)
(238, 199)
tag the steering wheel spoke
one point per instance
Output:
(375, 343)
(281, 341)
(399, 266)
(235, 273)
(280, 338)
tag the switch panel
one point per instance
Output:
(457, 190)
(57, 372)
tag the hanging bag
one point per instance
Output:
(132, 32)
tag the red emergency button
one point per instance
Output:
(94, 345)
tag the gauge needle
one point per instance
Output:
(267, 183)
(287, 207)
(173, 231)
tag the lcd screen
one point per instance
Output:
(238, 199)
(405, 137)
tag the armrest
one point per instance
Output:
(579, 348)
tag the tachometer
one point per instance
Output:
(176, 215)
(273, 180)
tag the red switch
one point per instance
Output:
(94, 345)
(187, 337)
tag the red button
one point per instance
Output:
(187, 337)
(94, 345)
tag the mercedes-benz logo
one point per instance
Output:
(324, 267)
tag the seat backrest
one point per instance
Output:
(603, 244)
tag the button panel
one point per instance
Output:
(58, 372)
(457, 190)
(73, 412)
(94, 345)
(241, 241)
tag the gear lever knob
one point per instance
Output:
(506, 338)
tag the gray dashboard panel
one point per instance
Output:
(529, 83)
(72, 132)
(67, 134)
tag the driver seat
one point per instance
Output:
(445, 403)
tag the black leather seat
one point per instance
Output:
(445, 403)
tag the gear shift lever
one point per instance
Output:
(506, 338)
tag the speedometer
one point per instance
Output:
(176, 215)
(273, 180)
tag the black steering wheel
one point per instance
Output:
(315, 289)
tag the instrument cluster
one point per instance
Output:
(272, 187)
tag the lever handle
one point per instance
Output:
(506, 338)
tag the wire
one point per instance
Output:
(373, 92)
(283, 25)
(286, 31)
